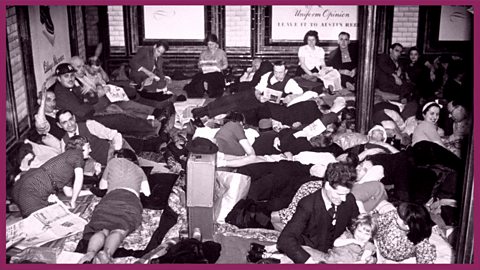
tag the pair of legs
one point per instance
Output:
(102, 245)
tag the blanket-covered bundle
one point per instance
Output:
(190, 250)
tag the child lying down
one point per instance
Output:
(353, 246)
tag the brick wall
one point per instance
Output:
(80, 32)
(16, 63)
(405, 25)
(237, 26)
(115, 26)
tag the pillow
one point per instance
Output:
(161, 185)
(229, 189)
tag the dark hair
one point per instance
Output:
(60, 112)
(421, 111)
(321, 140)
(413, 49)
(279, 63)
(235, 117)
(163, 44)
(311, 33)
(353, 159)
(395, 45)
(212, 38)
(418, 220)
(24, 150)
(340, 174)
(126, 154)
(76, 142)
(344, 33)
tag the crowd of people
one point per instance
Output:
(335, 195)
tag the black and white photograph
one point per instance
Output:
(239, 134)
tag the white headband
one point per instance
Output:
(430, 103)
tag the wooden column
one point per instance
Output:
(368, 44)
(465, 239)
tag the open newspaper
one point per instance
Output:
(209, 66)
(272, 95)
(115, 93)
(312, 130)
(45, 225)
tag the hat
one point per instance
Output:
(202, 146)
(265, 124)
(381, 128)
(64, 68)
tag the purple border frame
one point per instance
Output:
(475, 3)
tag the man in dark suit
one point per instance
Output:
(389, 77)
(344, 58)
(321, 217)
(147, 67)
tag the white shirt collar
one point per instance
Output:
(326, 201)
(71, 134)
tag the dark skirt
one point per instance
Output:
(119, 209)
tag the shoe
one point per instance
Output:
(197, 122)
(102, 258)
(181, 98)
(98, 192)
(199, 112)
(331, 90)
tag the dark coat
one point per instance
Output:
(311, 226)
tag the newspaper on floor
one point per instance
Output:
(45, 225)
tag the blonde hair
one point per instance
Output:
(364, 220)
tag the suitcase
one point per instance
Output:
(200, 187)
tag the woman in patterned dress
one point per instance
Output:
(404, 233)
(32, 190)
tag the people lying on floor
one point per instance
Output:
(404, 233)
(32, 191)
(321, 217)
(69, 96)
(273, 184)
(369, 192)
(102, 139)
(275, 86)
(355, 245)
(312, 63)
(45, 123)
(376, 143)
(389, 76)
(212, 63)
(231, 138)
(271, 142)
(344, 59)
(117, 95)
(119, 212)
(146, 70)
